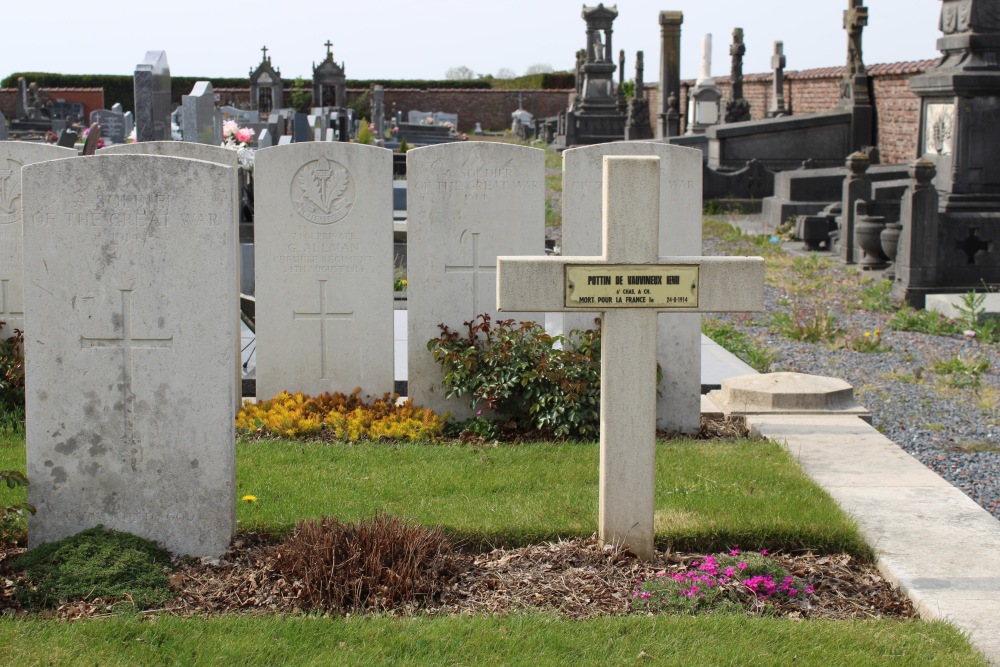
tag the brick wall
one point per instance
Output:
(91, 98)
(818, 90)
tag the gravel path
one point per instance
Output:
(953, 430)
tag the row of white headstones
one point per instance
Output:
(131, 273)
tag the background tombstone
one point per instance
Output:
(112, 124)
(324, 270)
(679, 347)
(198, 114)
(778, 63)
(4, 131)
(670, 74)
(13, 156)
(152, 98)
(129, 291)
(467, 203)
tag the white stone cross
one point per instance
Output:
(475, 268)
(629, 284)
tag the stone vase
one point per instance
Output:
(890, 243)
(867, 232)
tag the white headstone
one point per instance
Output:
(466, 203)
(196, 151)
(323, 232)
(13, 156)
(129, 294)
(630, 283)
(679, 353)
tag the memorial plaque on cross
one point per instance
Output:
(629, 284)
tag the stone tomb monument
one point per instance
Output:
(629, 283)
(152, 98)
(324, 269)
(198, 115)
(130, 286)
(13, 156)
(679, 350)
(466, 203)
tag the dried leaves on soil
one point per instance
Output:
(575, 578)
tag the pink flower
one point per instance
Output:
(763, 552)
(243, 134)
(229, 128)
(730, 572)
(742, 565)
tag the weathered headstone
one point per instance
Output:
(778, 63)
(67, 138)
(130, 284)
(112, 125)
(198, 115)
(92, 140)
(4, 130)
(152, 98)
(264, 139)
(629, 282)
(324, 306)
(192, 151)
(466, 204)
(14, 155)
(679, 351)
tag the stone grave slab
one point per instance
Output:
(198, 115)
(467, 203)
(679, 345)
(323, 230)
(629, 283)
(13, 156)
(130, 286)
(112, 125)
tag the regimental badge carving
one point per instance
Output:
(10, 191)
(939, 121)
(323, 191)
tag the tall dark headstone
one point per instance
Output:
(856, 88)
(152, 98)
(960, 136)
(670, 74)
(737, 109)
(778, 82)
(637, 125)
(4, 132)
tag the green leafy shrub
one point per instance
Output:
(876, 296)
(962, 372)
(12, 372)
(377, 565)
(96, 563)
(11, 515)
(548, 383)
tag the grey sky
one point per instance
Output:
(411, 39)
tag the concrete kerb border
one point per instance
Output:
(899, 504)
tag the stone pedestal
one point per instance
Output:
(670, 73)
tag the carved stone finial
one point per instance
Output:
(923, 172)
(858, 163)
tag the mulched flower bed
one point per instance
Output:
(574, 578)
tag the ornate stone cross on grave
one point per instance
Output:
(322, 315)
(126, 342)
(855, 20)
(630, 284)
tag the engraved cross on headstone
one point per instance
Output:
(475, 268)
(322, 315)
(126, 343)
(5, 310)
(629, 283)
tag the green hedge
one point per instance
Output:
(118, 87)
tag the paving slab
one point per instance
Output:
(932, 541)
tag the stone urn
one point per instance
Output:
(890, 243)
(868, 234)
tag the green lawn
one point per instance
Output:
(709, 496)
